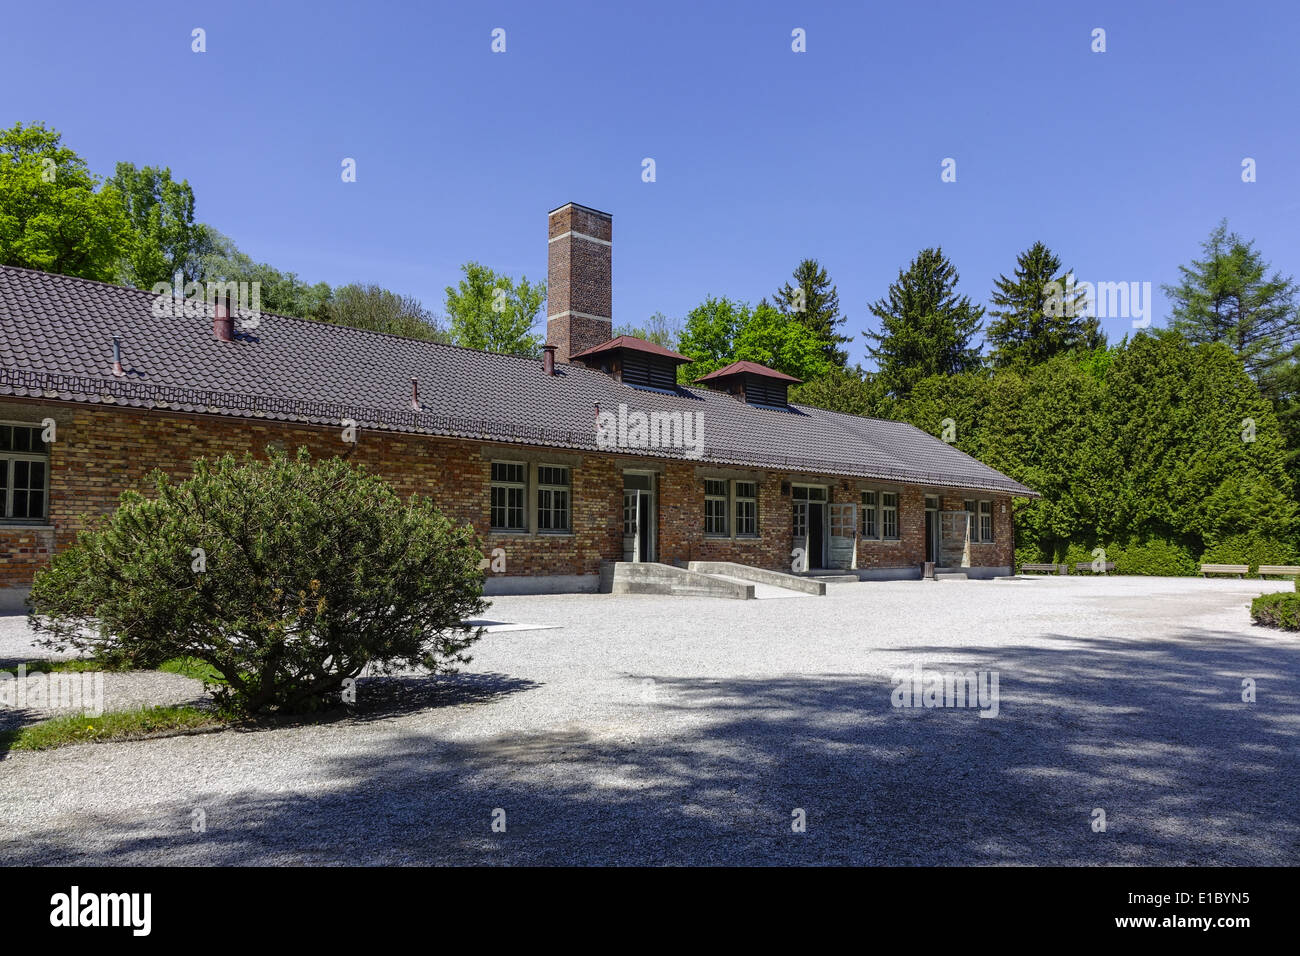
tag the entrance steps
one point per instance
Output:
(950, 574)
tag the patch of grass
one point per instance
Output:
(192, 667)
(1280, 609)
(115, 725)
(77, 666)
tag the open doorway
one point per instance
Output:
(639, 538)
(932, 528)
(809, 525)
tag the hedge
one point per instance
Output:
(1281, 610)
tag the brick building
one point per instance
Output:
(591, 454)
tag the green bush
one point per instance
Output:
(1250, 549)
(1155, 556)
(286, 577)
(1281, 609)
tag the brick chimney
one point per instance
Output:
(579, 296)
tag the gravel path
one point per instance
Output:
(689, 730)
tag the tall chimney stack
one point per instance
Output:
(579, 292)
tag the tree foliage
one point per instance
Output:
(658, 329)
(849, 390)
(812, 301)
(1154, 440)
(282, 293)
(1230, 297)
(1036, 314)
(53, 214)
(494, 312)
(720, 331)
(377, 309)
(286, 576)
(926, 328)
(165, 238)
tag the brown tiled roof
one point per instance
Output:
(748, 368)
(56, 343)
(634, 344)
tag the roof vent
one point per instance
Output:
(223, 323)
(635, 361)
(752, 383)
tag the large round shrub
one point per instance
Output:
(287, 576)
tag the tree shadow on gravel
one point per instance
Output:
(1154, 733)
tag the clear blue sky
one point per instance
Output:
(1121, 161)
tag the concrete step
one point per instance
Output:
(950, 575)
(833, 578)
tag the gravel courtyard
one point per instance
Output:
(689, 730)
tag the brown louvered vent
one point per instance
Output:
(642, 369)
(752, 384)
(635, 361)
(765, 391)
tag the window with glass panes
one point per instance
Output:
(24, 474)
(509, 491)
(870, 517)
(715, 507)
(889, 515)
(552, 498)
(986, 521)
(746, 509)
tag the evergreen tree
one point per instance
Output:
(926, 327)
(1229, 297)
(815, 303)
(849, 390)
(1038, 313)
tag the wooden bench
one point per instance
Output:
(1087, 566)
(1046, 568)
(1282, 570)
(1237, 569)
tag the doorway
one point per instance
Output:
(809, 526)
(639, 539)
(932, 528)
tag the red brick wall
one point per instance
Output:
(100, 452)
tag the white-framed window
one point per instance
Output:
(24, 474)
(870, 514)
(509, 496)
(552, 499)
(746, 493)
(715, 507)
(889, 515)
(981, 520)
